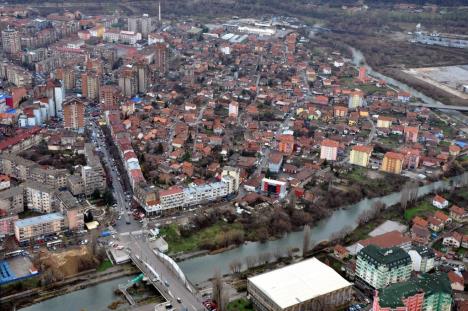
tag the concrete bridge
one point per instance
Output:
(444, 107)
(163, 273)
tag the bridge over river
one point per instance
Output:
(162, 272)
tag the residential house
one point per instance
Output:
(435, 224)
(384, 122)
(340, 252)
(457, 282)
(439, 202)
(453, 240)
(458, 214)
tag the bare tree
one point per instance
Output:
(404, 198)
(218, 291)
(264, 258)
(250, 261)
(277, 254)
(235, 266)
(290, 252)
(306, 241)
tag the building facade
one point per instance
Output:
(360, 155)
(36, 227)
(73, 114)
(426, 292)
(379, 267)
(392, 162)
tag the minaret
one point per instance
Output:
(159, 11)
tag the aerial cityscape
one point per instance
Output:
(234, 155)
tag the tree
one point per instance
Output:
(159, 149)
(264, 258)
(108, 197)
(96, 194)
(235, 266)
(306, 240)
(218, 291)
(250, 261)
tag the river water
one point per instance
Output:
(199, 269)
(93, 298)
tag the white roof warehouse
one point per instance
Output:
(307, 285)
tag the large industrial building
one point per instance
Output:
(307, 285)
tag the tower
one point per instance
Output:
(159, 12)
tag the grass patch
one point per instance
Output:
(421, 209)
(195, 241)
(106, 264)
(240, 304)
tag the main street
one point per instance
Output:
(125, 223)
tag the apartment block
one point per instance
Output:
(12, 201)
(379, 267)
(11, 41)
(39, 197)
(425, 292)
(329, 149)
(360, 155)
(35, 227)
(73, 114)
(392, 162)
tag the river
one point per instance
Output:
(199, 269)
(93, 298)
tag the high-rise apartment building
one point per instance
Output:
(109, 96)
(67, 76)
(160, 57)
(128, 81)
(73, 114)
(11, 42)
(90, 82)
(380, 267)
(424, 292)
(142, 24)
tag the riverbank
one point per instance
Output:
(69, 285)
(199, 269)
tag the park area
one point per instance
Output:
(422, 208)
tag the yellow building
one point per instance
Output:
(355, 99)
(384, 122)
(392, 162)
(360, 155)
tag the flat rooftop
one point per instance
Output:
(39, 220)
(299, 282)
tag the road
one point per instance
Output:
(172, 287)
(124, 223)
(199, 117)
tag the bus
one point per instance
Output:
(52, 244)
(14, 253)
